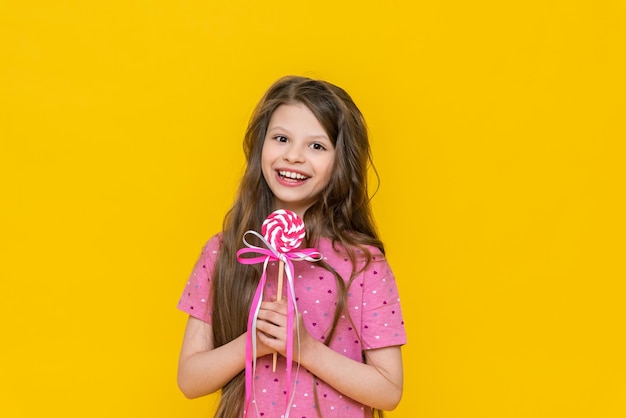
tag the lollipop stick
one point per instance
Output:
(279, 296)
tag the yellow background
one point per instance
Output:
(498, 131)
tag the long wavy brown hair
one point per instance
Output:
(341, 214)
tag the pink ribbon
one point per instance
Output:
(272, 254)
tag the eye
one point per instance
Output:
(318, 146)
(280, 138)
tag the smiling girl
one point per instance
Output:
(307, 150)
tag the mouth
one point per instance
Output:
(291, 176)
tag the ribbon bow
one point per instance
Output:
(270, 253)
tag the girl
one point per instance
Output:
(307, 151)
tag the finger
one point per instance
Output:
(275, 306)
(277, 318)
(274, 344)
(262, 344)
(267, 343)
(274, 298)
(270, 329)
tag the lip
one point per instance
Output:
(290, 182)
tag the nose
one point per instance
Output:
(293, 154)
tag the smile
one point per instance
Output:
(291, 175)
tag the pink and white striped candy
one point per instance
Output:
(284, 230)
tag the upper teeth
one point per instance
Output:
(292, 175)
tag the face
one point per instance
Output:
(297, 158)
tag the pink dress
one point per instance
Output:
(373, 305)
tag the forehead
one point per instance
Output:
(296, 117)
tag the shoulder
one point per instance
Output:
(214, 243)
(211, 248)
(329, 249)
(366, 258)
(216, 239)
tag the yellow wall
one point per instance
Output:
(497, 129)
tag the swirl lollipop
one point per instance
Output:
(284, 230)
(283, 233)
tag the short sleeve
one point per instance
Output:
(382, 322)
(196, 298)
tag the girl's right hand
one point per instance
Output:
(261, 348)
(271, 324)
(272, 330)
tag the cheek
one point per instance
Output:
(266, 156)
(269, 152)
(266, 167)
(267, 160)
(328, 170)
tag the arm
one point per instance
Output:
(203, 369)
(377, 382)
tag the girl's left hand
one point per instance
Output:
(272, 327)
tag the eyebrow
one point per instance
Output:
(280, 128)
